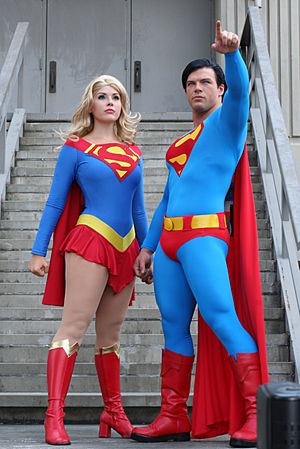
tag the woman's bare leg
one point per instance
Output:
(85, 284)
(110, 315)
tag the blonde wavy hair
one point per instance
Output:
(83, 120)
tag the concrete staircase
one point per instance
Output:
(27, 327)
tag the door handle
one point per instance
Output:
(137, 76)
(52, 77)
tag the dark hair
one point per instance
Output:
(200, 64)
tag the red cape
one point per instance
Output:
(55, 286)
(218, 407)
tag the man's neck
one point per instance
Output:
(199, 117)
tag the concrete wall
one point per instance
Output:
(281, 20)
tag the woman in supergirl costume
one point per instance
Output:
(100, 161)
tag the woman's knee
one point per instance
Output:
(108, 333)
(74, 328)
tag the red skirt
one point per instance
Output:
(93, 247)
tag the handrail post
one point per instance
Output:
(20, 86)
(2, 145)
(11, 82)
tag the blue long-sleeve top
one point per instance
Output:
(118, 203)
(202, 186)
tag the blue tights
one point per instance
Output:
(200, 277)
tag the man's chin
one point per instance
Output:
(198, 109)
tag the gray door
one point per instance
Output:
(84, 39)
(145, 43)
(166, 35)
(34, 12)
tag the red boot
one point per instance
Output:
(61, 360)
(107, 362)
(246, 369)
(172, 423)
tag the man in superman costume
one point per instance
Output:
(190, 237)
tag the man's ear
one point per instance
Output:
(221, 90)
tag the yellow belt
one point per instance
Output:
(118, 242)
(195, 222)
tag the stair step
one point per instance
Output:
(143, 300)
(36, 215)
(133, 314)
(88, 382)
(26, 244)
(262, 223)
(149, 352)
(17, 369)
(25, 278)
(159, 138)
(38, 206)
(38, 282)
(21, 266)
(24, 206)
(45, 174)
(83, 383)
(175, 123)
(34, 285)
(65, 126)
(81, 400)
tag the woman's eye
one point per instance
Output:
(101, 97)
(116, 97)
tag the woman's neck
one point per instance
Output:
(102, 133)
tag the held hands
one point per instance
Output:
(225, 41)
(38, 265)
(143, 266)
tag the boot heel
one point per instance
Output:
(185, 436)
(105, 430)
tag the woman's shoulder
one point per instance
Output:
(68, 150)
(133, 147)
(72, 141)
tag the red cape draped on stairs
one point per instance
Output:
(218, 407)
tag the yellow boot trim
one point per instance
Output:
(108, 349)
(65, 344)
(117, 241)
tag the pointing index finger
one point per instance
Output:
(218, 30)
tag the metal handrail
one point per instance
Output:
(279, 177)
(11, 83)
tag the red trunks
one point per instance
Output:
(171, 241)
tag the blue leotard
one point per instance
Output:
(119, 204)
(200, 274)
